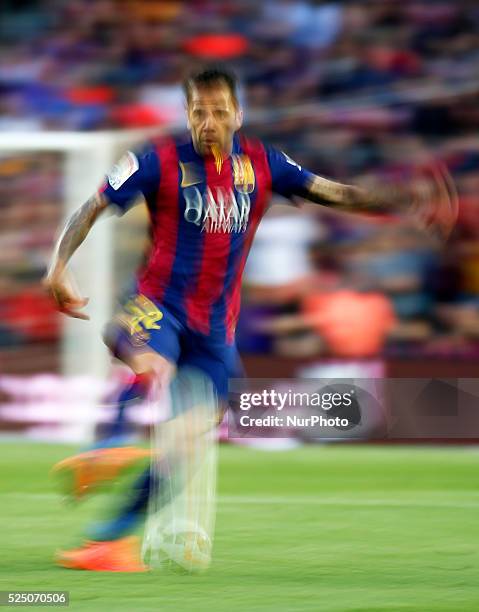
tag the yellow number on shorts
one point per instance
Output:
(144, 314)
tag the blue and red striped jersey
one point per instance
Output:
(204, 213)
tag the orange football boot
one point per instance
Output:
(87, 472)
(121, 555)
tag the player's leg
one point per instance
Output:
(145, 337)
(193, 413)
(108, 458)
(109, 544)
(182, 502)
(98, 466)
(146, 361)
(186, 472)
(180, 526)
(133, 391)
(219, 360)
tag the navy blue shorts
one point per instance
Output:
(143, 324)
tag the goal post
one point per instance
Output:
(85, 159)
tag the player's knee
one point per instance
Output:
(117, 340)
(155, 369)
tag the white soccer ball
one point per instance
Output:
(185, 544)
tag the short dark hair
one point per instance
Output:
(210, 78)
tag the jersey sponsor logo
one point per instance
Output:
(243, 174)
(121, 172)
(217, 210)
(291, 161)
(190, 174)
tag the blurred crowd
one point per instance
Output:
(95, 64)
(31, 205)
(349, 89)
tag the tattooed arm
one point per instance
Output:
(428, 199)
(425, 194)
(357, 199)
(74, 233)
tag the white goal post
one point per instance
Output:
(86, 157)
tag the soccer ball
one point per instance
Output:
(184, 544)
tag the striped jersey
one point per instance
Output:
(204, 212)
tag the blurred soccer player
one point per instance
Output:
(206, 193)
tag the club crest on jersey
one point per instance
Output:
(243, 174)
(217, 210)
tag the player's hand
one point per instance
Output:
(434, 208)
(66, 297)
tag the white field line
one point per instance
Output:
(346, 501)
(266, 500)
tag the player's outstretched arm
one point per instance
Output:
(74, 233)
(429, 198)
(355, 199)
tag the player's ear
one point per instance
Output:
(239, 118)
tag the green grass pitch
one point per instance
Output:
(334, 528)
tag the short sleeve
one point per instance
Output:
(288, 178)
(135, 173)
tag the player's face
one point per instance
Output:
(213, 118)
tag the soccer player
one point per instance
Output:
(206, 193)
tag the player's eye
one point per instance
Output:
(221, 114)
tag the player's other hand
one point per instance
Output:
(434, 200)
(66, 297)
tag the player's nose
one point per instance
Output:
(209, 122)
